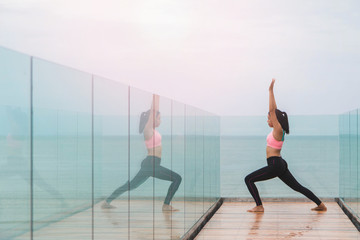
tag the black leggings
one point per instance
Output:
(150, 166)
(277, 167)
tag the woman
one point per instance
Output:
(277, 167)
(150, 166)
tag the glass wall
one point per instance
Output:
(83, 157)
(349, 160)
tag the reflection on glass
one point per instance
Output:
(150, 166)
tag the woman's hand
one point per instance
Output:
(272, 84)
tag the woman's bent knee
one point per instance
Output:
(176, 178)
(247, 179)
(179, 178)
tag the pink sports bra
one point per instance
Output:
(273, 143)
(154, 141)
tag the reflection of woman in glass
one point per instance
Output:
(150, 166)
(277, 167)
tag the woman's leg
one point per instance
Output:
(139, 179)
(168, 175)
(289, 180)
(262, 174)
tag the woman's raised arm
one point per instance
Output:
(272, 107)
(272, 103)
(150, 125)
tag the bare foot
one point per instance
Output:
(259, 208)
(321, 207)
(169, 208)
(106, 205)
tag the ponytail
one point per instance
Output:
(144, 117)
(283, 120)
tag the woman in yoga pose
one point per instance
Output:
(150, 166)
(276, 166)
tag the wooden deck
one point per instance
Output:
(145, 221)
(281, 220)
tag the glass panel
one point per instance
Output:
(142, 166)
(342, 136)
(346, 158)
(14, 144)
(62, 163)
(358, 164)
(178, 161)
(166, 181)
(199, 163)
(110, 159)
(190, 167)
(353, 161)
(216, 158)
(353, 157)
(208, 175)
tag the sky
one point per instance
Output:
(219, 56)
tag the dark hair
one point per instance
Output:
(283, 120)
(144, 118)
